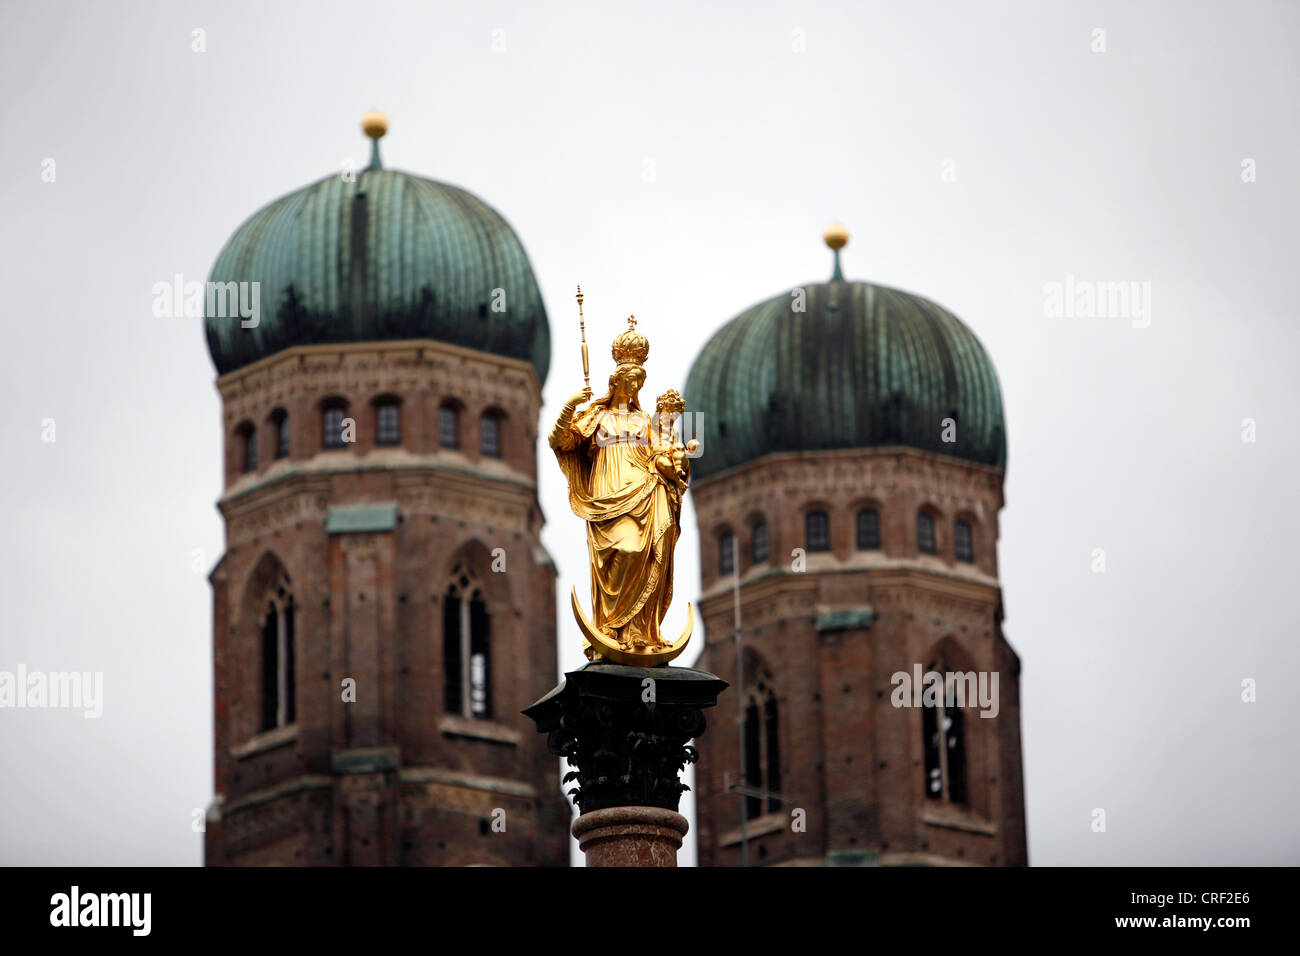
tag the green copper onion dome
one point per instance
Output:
(844, 365)
(380, 255)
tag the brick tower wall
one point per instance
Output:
(826, 640)
(367, 536)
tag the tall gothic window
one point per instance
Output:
(332, 425)
(448, 426)
(490, 435)
(762, 756)
(963, 542)
(466, 647)
(772, 726)
(868, 530)
(943, 729)
(817, 531)
(277, 658)
(753, 761)
(726, 553)
(759, 549)
(388, 422)
(925, 533)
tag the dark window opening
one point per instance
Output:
(466, 649)
(726, 553)
(490, 436)
(270, 669)
(925, 533)
(817, 531)
(332, 427)
(278, 696)
(753, 767)
(963, 541)
(868, 530)
(955, 741)
(451, 654)
(772, 725)
(282, 437)
(480, 702)
(250, 449)
(762, 747)
(943, 729)
(933, 769)
(759, 550)
(448, 427)
(388, 423)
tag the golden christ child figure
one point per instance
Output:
(627, 473)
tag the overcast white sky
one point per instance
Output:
(680, 160)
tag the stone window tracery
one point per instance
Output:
(466, 644)
(278, 690)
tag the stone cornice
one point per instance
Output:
(471, 781)
(831, 455)
(407, 348)
(288, 788)
(757, 827)
(313, 475)
(883, 572)
(774, 598)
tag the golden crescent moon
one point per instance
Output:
(610, 649)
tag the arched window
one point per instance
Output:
(248, 447)
(817, 531)
(332, 417)
(963, 541)
(759, 547)
(277, 657)
(466, 647)
(868, 530)
(280, 424)
(388, 422)
(726, 552)
(925, 533)
(490, 435)
(943, 729)
(449, 426)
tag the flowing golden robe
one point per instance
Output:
(630, 496)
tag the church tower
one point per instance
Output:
(849, 489)
(384, 608)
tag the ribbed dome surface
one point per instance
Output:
(386, 256)
(862, 366)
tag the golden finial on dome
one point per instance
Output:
(375, 124)
(836, 236)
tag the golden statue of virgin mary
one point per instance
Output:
(627, 472)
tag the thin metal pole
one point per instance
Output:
(740, 697)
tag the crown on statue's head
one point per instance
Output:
(630, 347)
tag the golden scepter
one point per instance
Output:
(582, 330)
